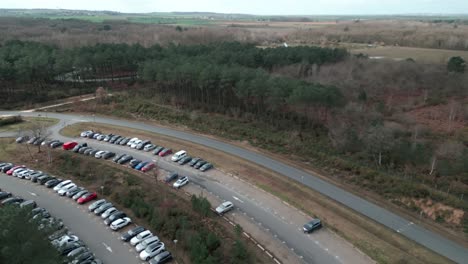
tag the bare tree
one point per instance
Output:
(39, 130)
(448, 150)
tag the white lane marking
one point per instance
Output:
(33, 194)
(235, 198)
(107, 247)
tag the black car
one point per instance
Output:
(43, 179)
(12, 200)
(124, 141)
(67, 248)
(83, 149)
(117, 142)
(184, 160)
(56, 144)
(52, 183)
(199, 164)
(161, 258)
(88, 151)
(134, 162)
(31, 140)
(38, 141)
(35, 175)
(6, 167)
(79, 146)
(194, 161)
(74, 191)
(311, 226)
(84, 256)
(108, 155)
(131, 233)
(116, 158)
(171, 177)
(206, 166)
(157, 150)
(114, 216)
(93, 152)
(114, 138)
(91, 135)
(4, 195)
(125, 159)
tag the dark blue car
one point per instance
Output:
(141, 165)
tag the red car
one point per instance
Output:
(165, 152)
(87, 197)
(147, 167)
(10, 171)
(69, 145)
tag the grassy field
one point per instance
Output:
(27, 123)
(380, 243)
(418, 54)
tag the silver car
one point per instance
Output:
(102, 208)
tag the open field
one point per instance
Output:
(27, 123)
(419, 54)
(386, 246)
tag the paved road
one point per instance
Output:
(431, 240)
(89, 228)
(311, 252)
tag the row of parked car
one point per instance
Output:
(66, 243)
(181, 156)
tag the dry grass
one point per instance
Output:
(380, 243)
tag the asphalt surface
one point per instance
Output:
(102, 241)
(413, 231)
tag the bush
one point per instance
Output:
(10, 120)
(201, 205)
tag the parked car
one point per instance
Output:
(29, 203)
(152, 250)
(67, 248)
(93, 152)
(172, 176)
(120, 223)
(108, 137)
(161, 258)
(56, 144)
(125, 159)
(140, 237)
(142, 144)
(12, 200)
(178, 155)
(79, 194)
(86, 133)
(18, 171)
(145, 243)
(134, 162)
(135, 143)
(157, 150)
(194, 161)
(224, 207)
(108, 155)
(131, 141)
(114, 216)
(6, 166)
(312, 225)
(44, 178)
(21, 139)
(102, 208)
(96, 204)
(91, 135)
(149, 147)
(181, 182)
(140, 165)
(108, 212)
(199, 164)
(99, 154)
(60, 185)
(65, 189)
(118, 157)
(38, 141)
(33, 176)
(96, 135)
(74, 191)
(12, 169)
(101, 137)
(83, 257)
(206, 166)
(117, 142)
(165, 152)
(4, 195)
(31, 140)
(87, 197)
(132, 233)
(79, 146)
(52, 183)
(85, 150)
(148, 167)
(184, 160)
(124, 141)
(69, 145)
(76, 252)
(114, 138)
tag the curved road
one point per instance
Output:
(425, 237)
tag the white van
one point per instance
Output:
(180, 154)
(60, 185)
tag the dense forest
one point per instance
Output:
(342, 112)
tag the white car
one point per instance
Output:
(108, 212)
(66, 188)
(131, 141)
(99, 154)
(24, 173)
(224, 207)
(64, 239)
(152, 250)
(60, 185)
(181, 182)
(180, 154)
(86, 133)
(145, 243)
(135, 144)
(120, 223)
(18, 171)
(140, 237)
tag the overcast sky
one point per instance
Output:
(262, 7)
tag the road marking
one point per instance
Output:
(33, 194)
(238, 199)
(107, 247)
